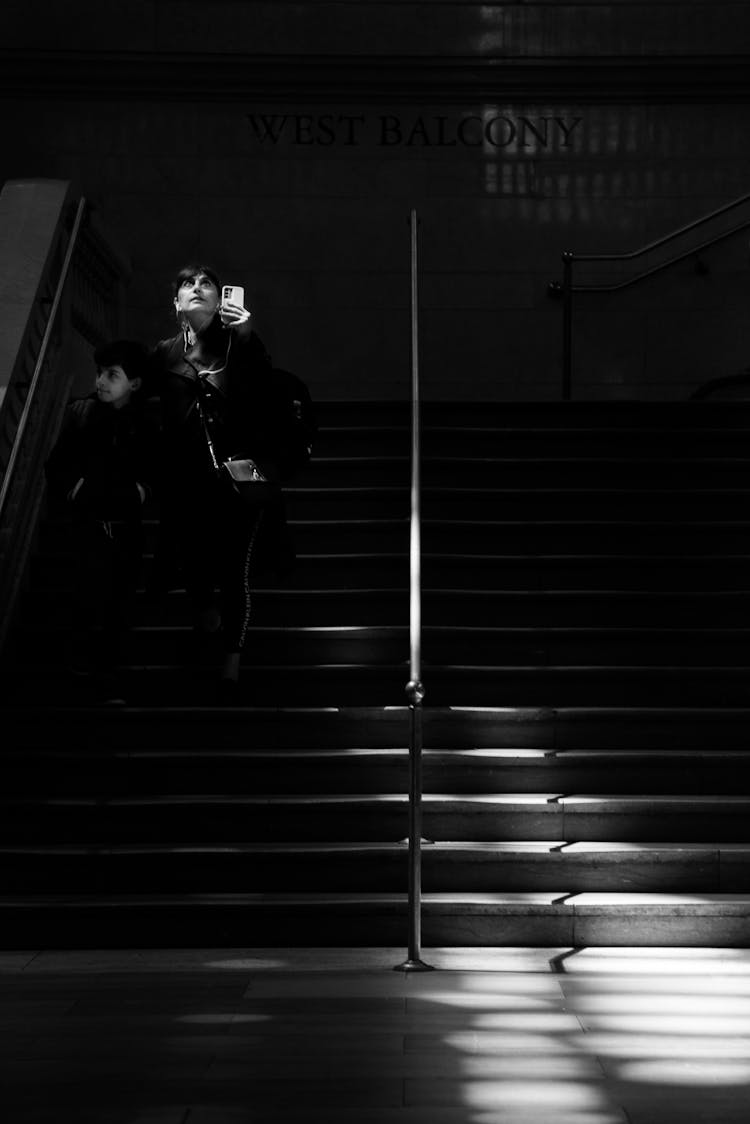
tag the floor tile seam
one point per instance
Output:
(126, 975)
(29, 964)
(551, 956)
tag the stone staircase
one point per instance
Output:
(586, 615)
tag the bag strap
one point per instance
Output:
(204, 423)
(201, 378)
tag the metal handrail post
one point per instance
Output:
(414, 688)
(567, 379)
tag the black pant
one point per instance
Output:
(107, 567)
(216, 540)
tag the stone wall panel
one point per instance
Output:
(286, 143)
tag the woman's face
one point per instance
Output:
(198, 296)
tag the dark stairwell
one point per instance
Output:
(586, 612)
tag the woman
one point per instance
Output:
(220, 399)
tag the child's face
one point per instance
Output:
(114, 387)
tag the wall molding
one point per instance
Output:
(41, 75)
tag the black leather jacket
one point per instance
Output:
(243, 402)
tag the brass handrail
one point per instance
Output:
(41, 357)
(567, 288)
(662, 265)
(670, 237)
(415, 688)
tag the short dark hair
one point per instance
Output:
(194, 269)
(131, 355)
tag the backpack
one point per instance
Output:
(302, 424)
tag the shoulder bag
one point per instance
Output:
(240, 475)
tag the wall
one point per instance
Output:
(287, 143)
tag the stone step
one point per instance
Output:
(593, 572)
(577, 536)
(476, 502)
(502, 471)
(480, 537)
(353, 685)
(630, 572)
(630, 416)
(381, 817)
(549, 504)
(328, 536)
(42, 726)
(600, 571)
(457, 607)
(586, 686)
(482, 499)
(551, 774)
(549, 536)
(191, 865)
(236, 920)
(479, 648)
(321, 571)
(363, 440)
(360, 645)
(293, 608)
(104, 769)
(486, 440)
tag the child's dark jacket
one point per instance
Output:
(111, 450)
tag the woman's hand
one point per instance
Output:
(233, 314)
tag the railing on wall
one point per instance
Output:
(33, 395)
(567, 289)
(79, 299)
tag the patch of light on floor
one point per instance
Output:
(476, 1001)
(653, 1002)
(488, 983)
(469, 1042)
(659, 961)
(496, 958)
(614, 1045)
(532, 1067)
(223, 1018)
(561, 1095)
(341, 628)
(490, 709)
(549, 1021)
(554, 1116)
(676, 1071)
(683, 983)
(245, 964)
(651, 1024)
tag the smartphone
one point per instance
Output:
(233, 293)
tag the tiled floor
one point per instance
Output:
(513, 1036)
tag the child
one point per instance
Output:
(100, 471)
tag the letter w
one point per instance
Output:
(266, 127)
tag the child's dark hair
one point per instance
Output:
(194, 269)
(131, 355)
